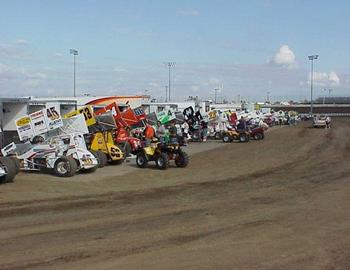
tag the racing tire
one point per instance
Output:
(162, 161)
(11, 170)
(101, 158)
(182, 159)
(141, 160)
(65, 167)
(17, 164)
(243, 138)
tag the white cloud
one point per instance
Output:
(22, 42)
(324, 78)
(334, 78)
(153, 84)
(214, 81)
(189, 12)
(284, 57)
(195, 88)
(120, 69)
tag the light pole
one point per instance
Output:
(75, 53)
(312, 58)
(216, 93)
(169, 65)
(166, 93)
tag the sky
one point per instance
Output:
(244, 48)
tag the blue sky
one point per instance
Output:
(245, 47)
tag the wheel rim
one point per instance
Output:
(140, 160)
(160, 162)
(62, 167)
(226, 139)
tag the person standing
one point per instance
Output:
(148, 133)
(185, 128)
(242, 124)
(160, 132)
(328, 122)
(204, 127)
(173, 132)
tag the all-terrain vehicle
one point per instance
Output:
(8, 169)
(257, 133)
(64, 154)
(161, 154)
(235, 135)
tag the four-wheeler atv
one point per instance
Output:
(64, 154)
(161, 154)
(235, 135)
(257, 133)
(8, 169)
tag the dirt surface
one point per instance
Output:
(281, 203)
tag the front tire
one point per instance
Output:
(141, 160)
(162, 161)
(65, 167)
(182, 159)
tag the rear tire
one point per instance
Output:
(65, 167)
(17, 164)
(182, 159)
(11, 170)
(226, 138)
(141, 160)
(101, 158)
(258, 136)
(162, 161)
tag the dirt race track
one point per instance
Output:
(281, 203)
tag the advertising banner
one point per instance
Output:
(53, 118)
(38, 122)
(24, 128)
(88, 113)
